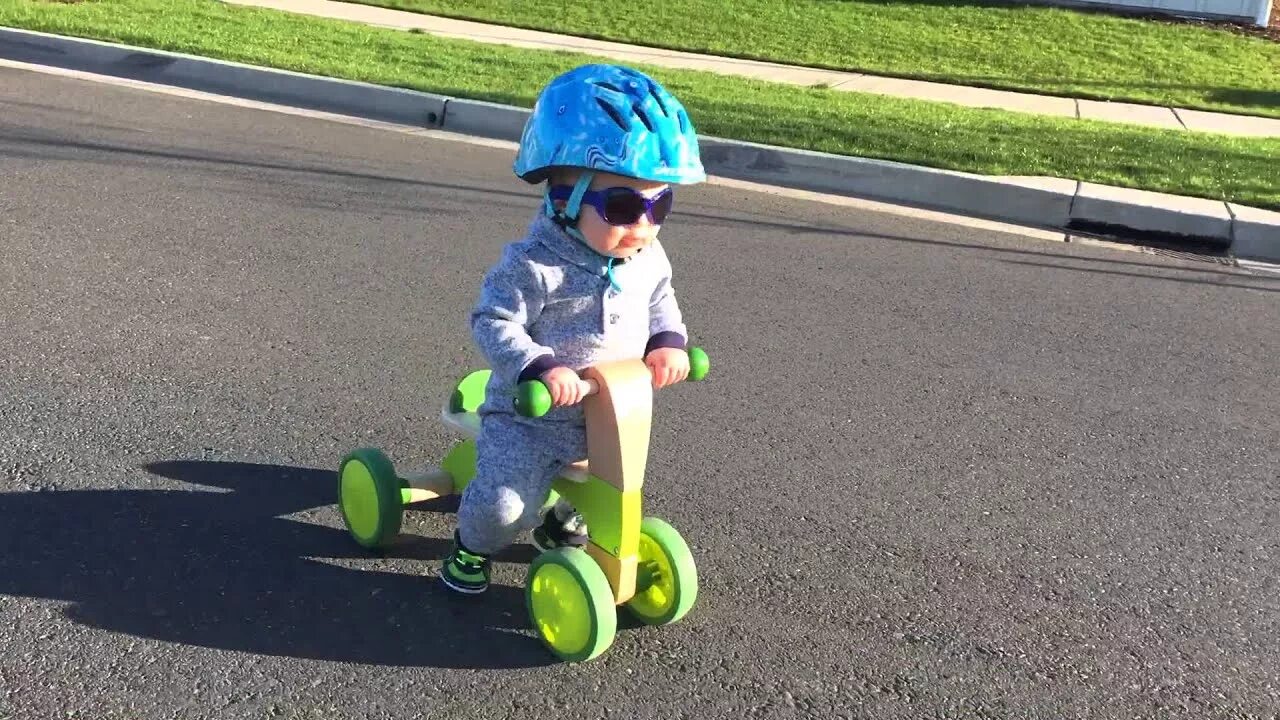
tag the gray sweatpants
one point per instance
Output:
(515, 465)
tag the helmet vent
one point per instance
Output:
(661, 105)
(612, 113)
(639, 111)
(608, 86)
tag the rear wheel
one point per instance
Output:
(369, 497)
(666, 578)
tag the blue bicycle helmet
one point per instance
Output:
(609, 118)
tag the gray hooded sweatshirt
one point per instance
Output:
(549, 301)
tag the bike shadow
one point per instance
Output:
(218, 566)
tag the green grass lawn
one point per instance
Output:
(935, 134)
(1016, 47)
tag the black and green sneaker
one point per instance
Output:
(465, 571)
(554, 533)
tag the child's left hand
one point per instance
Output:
(668, 365)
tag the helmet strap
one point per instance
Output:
(568, 218)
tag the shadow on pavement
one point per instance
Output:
(1102, 271)
(220, 568)
(47, 148)
(1035, 250)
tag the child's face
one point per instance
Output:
(620, 241)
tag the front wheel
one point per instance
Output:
(666, 579)
(369, 496)
(571, 604)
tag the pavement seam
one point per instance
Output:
(1231, 229)
(1071, 208)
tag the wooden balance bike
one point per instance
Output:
(637, 562)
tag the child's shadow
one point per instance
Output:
(222, 569)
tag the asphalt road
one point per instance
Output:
(936, 472)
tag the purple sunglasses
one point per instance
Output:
(622, 205)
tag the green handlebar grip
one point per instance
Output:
(699, 364)
(533, 400)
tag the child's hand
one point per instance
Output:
(668, 365)
(565, 386)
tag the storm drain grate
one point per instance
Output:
(1169, 245)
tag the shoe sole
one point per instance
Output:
(464, 590)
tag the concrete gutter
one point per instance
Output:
(1051, 203)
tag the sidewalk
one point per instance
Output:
(1149, 115)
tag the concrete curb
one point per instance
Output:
(282, 87)
(1052, 203)
(1152, 212)
(1255, 234)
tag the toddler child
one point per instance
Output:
(589, 283)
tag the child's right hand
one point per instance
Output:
(565, 386)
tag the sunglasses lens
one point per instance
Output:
(662, 208)
(623, 206)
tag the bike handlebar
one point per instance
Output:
(533, 399)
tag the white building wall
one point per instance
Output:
(1254, 11)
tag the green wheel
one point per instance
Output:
(571, 604)
(369, 495)
(666, 579)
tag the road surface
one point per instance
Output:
(936, 471)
